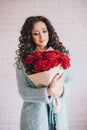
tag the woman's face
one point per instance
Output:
(40, 34)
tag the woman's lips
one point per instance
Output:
(42, 41)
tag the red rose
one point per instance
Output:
(29, 59)
(43, 61)
(38, 65)
(42, 65)
(38, 55)
(46, 65)
(54, 62)
(65, 61)
(52, 54)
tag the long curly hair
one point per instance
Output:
(26, 44)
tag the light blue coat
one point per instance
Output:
(35, 100)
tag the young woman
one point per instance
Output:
(38, 34)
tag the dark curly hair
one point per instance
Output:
(27, 45)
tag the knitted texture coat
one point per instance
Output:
(34, 110)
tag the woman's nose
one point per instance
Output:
(41, 36)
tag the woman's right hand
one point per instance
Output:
(56, 86)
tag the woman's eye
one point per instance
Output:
(36, 33)
(44, 31)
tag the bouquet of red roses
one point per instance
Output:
(41, 67)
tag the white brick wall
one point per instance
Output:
(69, 17)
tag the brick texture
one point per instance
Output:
(70, 21)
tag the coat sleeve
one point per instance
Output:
(28, 91)
(67, 82)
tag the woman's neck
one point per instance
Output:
(41, 48)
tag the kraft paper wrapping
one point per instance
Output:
(44, 78)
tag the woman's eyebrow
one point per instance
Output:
(35, 30)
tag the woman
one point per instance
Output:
(38, 34)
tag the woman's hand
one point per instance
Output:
(56, 86)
